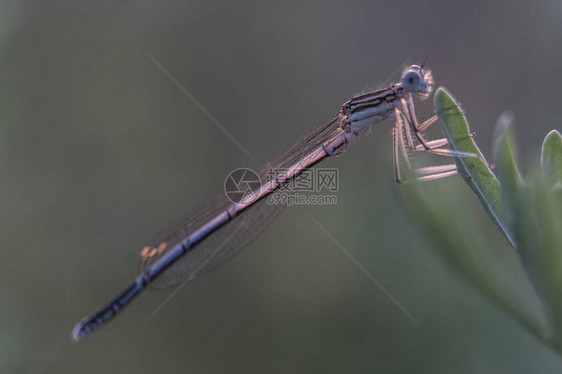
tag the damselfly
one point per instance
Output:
(220, 230)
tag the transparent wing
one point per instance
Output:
(229, 239)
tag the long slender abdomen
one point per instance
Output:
(108, 311)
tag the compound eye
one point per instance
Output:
(411, 81)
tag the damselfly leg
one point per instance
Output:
(405, 122)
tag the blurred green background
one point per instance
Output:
(100, 152)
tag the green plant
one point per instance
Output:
(527, 212)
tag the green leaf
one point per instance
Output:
(475, 171)
(551, 158)
(457, 234)
(539, 236)
(506, 165)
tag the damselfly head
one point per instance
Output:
(418, 80)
